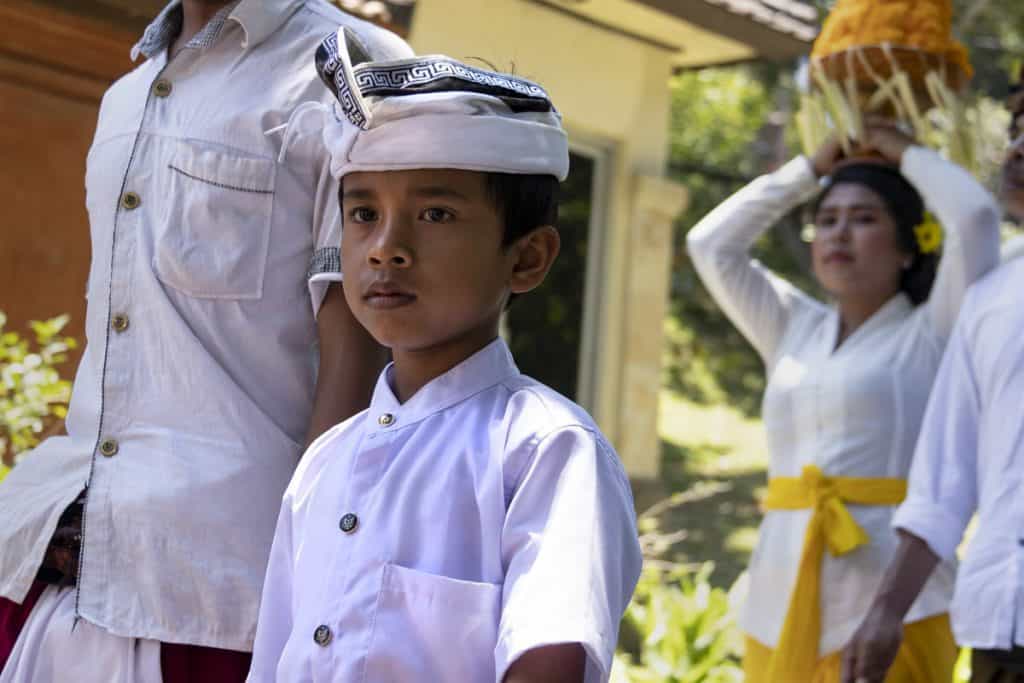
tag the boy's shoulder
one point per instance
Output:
(534, 412)
(318, 455)
(537, 407)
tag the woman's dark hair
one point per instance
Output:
(525, 202)
(906, 207)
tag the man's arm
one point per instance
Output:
(552, 664)
(350, 361)
(875, 644)
(942, 497)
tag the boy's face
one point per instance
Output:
(423, 258)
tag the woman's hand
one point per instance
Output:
(886, 140)
(827, 156)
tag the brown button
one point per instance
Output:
(322, 635)
(386, 420)
(109, 448)
(349, 523)
(120, 322)
(162, 88)
(130, 200)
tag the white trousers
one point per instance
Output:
(49, 650)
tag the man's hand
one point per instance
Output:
(868, 657)
(872, 651)
(60, 563)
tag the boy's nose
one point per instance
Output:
(390, 249)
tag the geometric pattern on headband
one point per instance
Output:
(420, 74)
(348, 72)
(333, 63)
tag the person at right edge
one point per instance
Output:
(847, 386)
(969, 459)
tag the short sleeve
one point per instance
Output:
(325, 262)
(570, 551)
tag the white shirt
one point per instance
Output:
(970, 458)
(854, 411)
(198, 376)
(486, 516)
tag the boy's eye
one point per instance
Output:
(826, 221)
(435, 215)
(362, 214)
(866, 218)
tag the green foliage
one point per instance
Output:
(678, 627)
(33, 397)
(726, 130)
(685, 631)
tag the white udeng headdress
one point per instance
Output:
(435, 112)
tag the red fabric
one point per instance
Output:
(194, 664)
(13, 617)
(178, 663)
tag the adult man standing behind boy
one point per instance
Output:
(195, 394)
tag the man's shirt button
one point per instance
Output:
(130, 200)
(162, 88)
(349, 523)
(386, 420)
(322, 635)
(109, 448)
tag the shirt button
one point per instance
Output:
(349, 523)
(386, 420)
(322, 635)
(162, 88)
(119, 322)
(109, 448)
(130, 200)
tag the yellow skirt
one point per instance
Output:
(928, 655)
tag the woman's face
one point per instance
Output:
(856, 251)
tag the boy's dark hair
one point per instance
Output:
(525, 202)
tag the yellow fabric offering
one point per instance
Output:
(928, 655)
(924, 25)
(796, 657)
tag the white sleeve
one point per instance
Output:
(943, 486)
(325, 264)
(970, 221)
(274, 625)
(570, 551)
(756, 300)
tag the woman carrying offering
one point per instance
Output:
(847, 386)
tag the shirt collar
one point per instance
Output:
(486, 368)
(258, 19)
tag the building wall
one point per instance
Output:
(54, 68)
(611, 89)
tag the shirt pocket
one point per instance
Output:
(214, 242)
(433, 628)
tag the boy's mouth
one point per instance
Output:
(386, 295)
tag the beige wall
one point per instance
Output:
(611, 89)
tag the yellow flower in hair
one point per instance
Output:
(929, 235)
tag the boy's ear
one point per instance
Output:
(535, 253)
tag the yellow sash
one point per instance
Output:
(797, 653)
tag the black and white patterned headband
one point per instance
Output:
(345, 67)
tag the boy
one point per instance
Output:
(472, 525)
